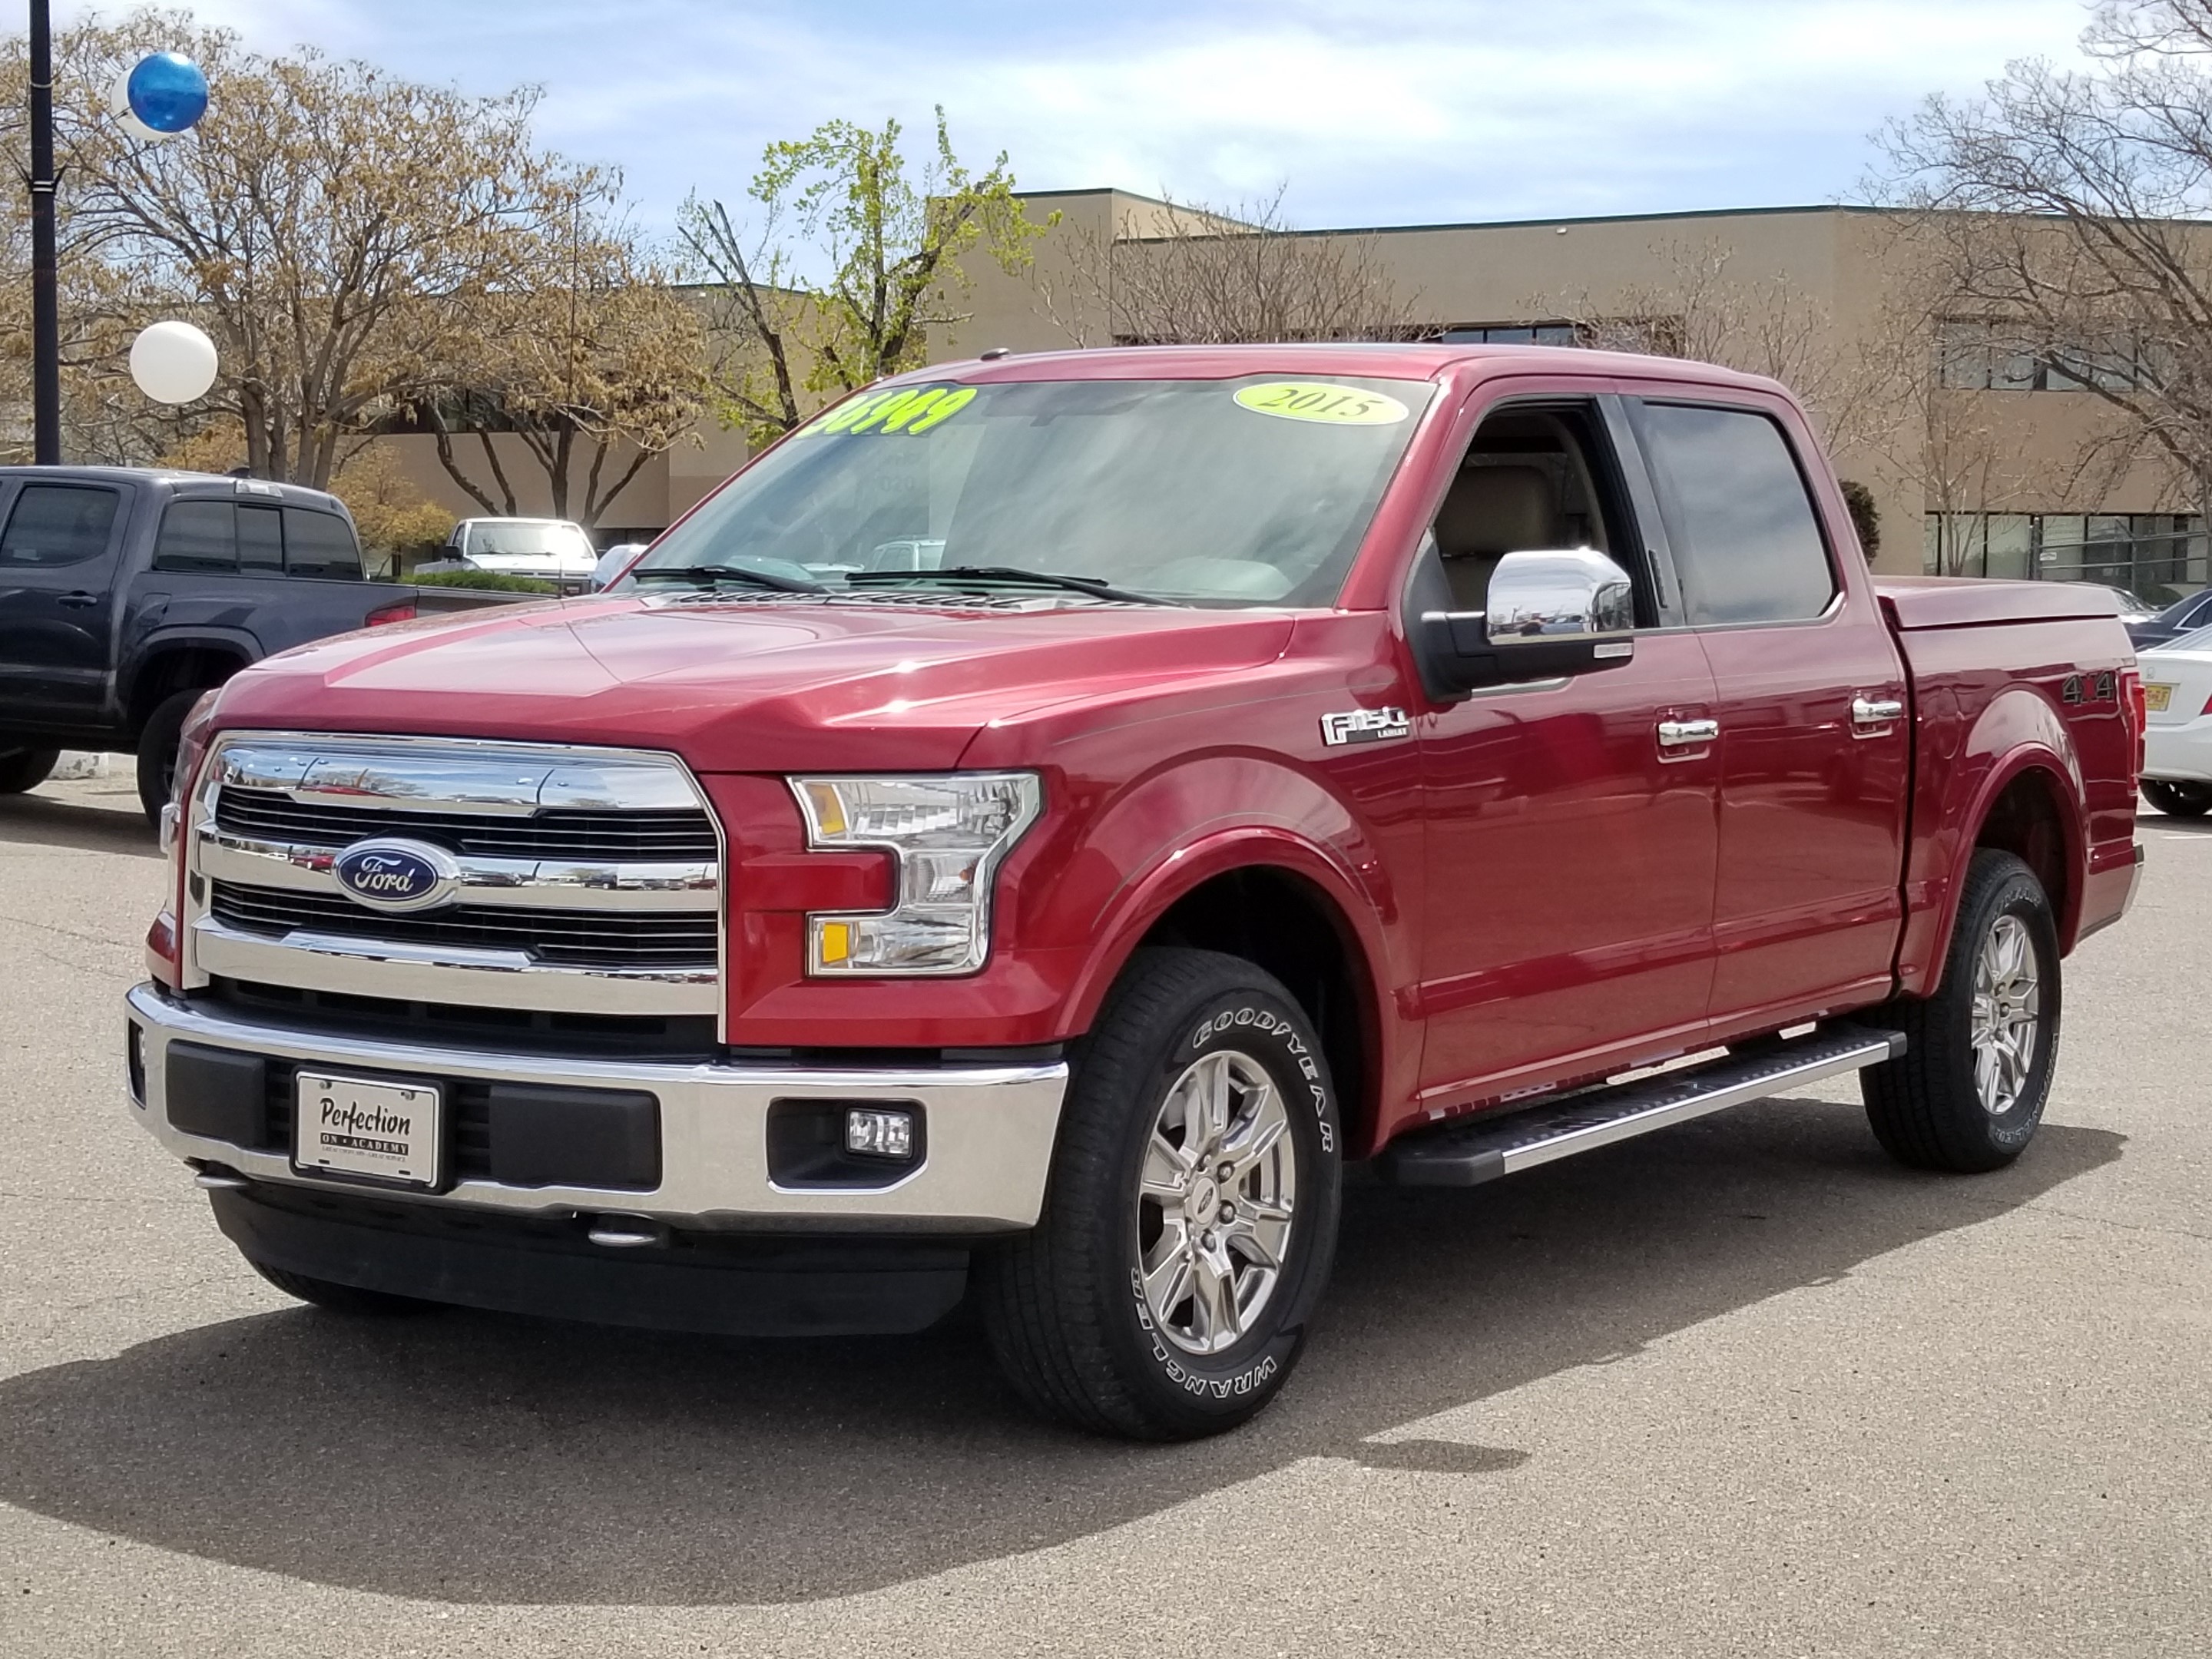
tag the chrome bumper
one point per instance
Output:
(989, 1142)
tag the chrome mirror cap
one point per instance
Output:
(1558, 594)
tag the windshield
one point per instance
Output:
(1253, 491)
(538, 540)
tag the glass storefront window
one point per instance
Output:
(2009, 546)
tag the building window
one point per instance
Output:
(2159, 556)
(1976, 354)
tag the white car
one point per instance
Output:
(2177, 746)
(551, 550)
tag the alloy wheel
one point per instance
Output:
(2007, 1014)
(1215, 1201)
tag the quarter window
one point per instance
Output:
(56, 524)
(1747, 541)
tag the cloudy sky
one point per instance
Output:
(1371, 112)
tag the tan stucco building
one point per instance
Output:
(1977, 463)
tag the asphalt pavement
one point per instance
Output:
(1741, 1387)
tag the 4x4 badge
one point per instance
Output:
(1364, 726)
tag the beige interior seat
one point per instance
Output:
(1492, 511)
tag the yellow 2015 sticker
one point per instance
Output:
(1323, 401)
(912, 410)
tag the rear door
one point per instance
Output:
(58, 548)
(1815, 728)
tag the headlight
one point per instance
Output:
(950, 831)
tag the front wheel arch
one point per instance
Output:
(1201, 902)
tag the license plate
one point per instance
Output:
(368, 1127)
(2155, 696)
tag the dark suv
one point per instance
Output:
(126, 594)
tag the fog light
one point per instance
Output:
(879, 1134)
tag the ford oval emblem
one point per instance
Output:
(396, 875)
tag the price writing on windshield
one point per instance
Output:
(1323, 401)
(912, 410)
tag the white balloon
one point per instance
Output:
(173, 362)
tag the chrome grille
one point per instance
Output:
(269, 815)
(584, 939)
(583, 883)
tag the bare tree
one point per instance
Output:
(1702, 305)
(1190, 273)
(329, 224)
(2065, 211)
(589, 364)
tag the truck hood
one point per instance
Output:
(747, 687)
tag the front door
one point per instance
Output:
(57, 552)
(1571, 837)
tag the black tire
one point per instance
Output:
(25, 768)
(335, 1297)
(2178, 800)
(1927, 1106)
(157, 750)
(1065, 1306)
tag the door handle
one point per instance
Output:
(1876, 711)
(80, 599)
(1687, 734)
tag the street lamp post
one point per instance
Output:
(45, 297)
(164, 95)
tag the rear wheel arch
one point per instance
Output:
(170, 666)
(2035, 818)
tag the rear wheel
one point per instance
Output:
(157, 750)
(335, 1297)
(1969, 1091)
(1164, 1293)
(25, 768)
(2178, 800)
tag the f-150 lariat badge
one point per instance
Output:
(1364, 726)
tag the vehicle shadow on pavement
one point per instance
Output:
(467, 1457)
(36, 820)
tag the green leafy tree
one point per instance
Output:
(853, 257)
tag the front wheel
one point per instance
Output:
(1969, 1091)
(25, 768)
(1191, 1222)
(157, 750)
(2178, 800)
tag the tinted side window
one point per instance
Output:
(197, 535)
(1746, 538)
(260, 540)
(320, 544)
(55, 524)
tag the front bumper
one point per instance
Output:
(987, 1150)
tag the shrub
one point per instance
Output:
(1858, 501)
(489, 579)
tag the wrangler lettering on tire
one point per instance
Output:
(1192, 1216)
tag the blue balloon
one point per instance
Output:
(167, 92)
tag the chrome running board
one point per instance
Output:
(1468, 1153)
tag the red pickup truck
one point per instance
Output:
(1035, 825)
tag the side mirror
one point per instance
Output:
(1550, 614)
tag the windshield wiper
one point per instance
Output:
(1012, 574)
(705, 575)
